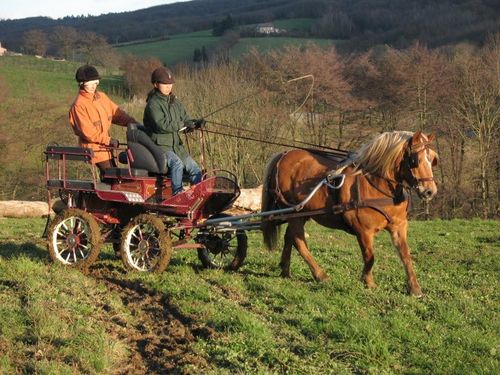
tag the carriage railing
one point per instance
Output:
(61, 176)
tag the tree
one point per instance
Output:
(196, 55)
(219, 28)
(137, 74)
(476, 105)
(35, 42)
(65, 40)
(96, 50)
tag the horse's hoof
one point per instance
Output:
(285, 275)
(321, 277)
(417, 293)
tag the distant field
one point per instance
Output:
(180, 48)
(177, 49)
(294, 24)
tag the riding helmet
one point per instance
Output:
(86, 73)
(162, 75)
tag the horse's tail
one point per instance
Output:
(270, 229)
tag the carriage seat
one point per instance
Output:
(143, 153)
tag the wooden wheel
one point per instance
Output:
(146, 244)
(74, 238)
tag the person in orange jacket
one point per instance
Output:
(91, 116)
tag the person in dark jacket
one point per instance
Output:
(165, 118)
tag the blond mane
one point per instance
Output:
(381, 154)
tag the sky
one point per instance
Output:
(15, 9)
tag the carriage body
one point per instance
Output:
(134, 210)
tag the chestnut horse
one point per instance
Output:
(374, 196)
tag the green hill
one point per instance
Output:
(180, 48)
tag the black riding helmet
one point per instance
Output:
(162, 75)
(86, 73)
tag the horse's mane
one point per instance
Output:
(380, 155)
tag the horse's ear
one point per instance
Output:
(416, 136)
(431, 137)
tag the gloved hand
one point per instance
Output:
(200, 123)
(115, 143)
(189, 125)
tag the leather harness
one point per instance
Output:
(397, 196)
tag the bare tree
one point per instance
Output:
(96, 50)
(476, 104)
(64, 40)
(137, 74)
(35, 42)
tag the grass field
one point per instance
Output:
(57, 320)
(180, 48)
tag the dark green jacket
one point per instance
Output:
(163, 119)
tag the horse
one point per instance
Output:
(375, 195)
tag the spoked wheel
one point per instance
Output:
(74, 238)
(146, 245)
(223, 250)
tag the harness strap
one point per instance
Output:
(375, 203)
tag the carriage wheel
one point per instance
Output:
(146, 244)
(223, 250)
(74, 238)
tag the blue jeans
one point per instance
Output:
(176, 168)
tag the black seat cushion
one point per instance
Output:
(145, 154)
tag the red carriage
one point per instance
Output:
(134, 209)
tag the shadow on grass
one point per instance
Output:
(31, 250)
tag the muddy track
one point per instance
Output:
(160, 337)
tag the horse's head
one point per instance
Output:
(417, 163)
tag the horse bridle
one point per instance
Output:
(411, 157)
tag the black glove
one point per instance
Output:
(200, 123)
(115, 143)
(189, 125)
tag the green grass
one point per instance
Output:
(180, 48)
(294, 24)
(266, 324)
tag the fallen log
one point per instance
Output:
(23, 209)
(249, 199)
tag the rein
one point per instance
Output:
(248, 138)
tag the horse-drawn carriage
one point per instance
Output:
(134, 209)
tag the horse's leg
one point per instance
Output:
(365, 240)
(399, 237)
(286, 254)
(296, 228)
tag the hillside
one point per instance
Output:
(363, 23)
(179, 48)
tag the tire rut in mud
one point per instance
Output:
(160, 338)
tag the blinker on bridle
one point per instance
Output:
(412, 153)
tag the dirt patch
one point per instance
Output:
(160, 339)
